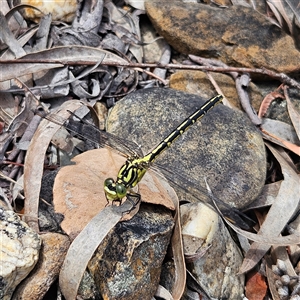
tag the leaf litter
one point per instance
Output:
(53, 78)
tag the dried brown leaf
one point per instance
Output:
(80, 200)
(282, 12)
(283, 208)
(11, 71)
(178, 256)
(256, 287)
(294, 115)
(82, 54)
(267, 101)
(281, 130)
(274, 139)
(84, 247)
(34, 162)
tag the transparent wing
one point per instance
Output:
(91, 133)
(193, 189)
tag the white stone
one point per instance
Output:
(19, 251)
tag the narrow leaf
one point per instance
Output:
(294, 115)
(34, 162)
(84, 247)
(281, 211)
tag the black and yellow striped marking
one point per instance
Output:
(135, 168)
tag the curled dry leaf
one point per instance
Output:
(84, 247)
(256, 287)
(267, 101)
(283, 208)
(34, 162)
(241, 84)
(178, 255)
(283, 143)
(294, 115)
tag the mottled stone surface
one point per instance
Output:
(52, 254)
(237, 35)
(196, 82)
(60, 11)
(224, 147)
(127, 265)
(216, 268)
(19, 251)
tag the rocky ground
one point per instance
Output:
(85, 86)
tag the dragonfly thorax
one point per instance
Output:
(129, 175)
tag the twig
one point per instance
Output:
(279, 76)
(241, 83)
(241, 87)
(211, 62)
(165, 82)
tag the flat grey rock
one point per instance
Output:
(224, 147)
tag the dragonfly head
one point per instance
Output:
(114, 191)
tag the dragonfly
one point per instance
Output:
(136, 164)
(134, 169)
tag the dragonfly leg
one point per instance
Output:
(134, 199)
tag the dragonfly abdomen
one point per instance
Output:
(167, 142)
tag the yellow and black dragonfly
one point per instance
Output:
(135, 167)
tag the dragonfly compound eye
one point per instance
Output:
(108, 182)
(121, 190)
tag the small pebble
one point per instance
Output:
(281, 265)
(278, 284)
(276, 270)
(285, 279)
(283, 292)
(296, 290)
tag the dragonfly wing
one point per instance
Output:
(195, 191)
(95, 136)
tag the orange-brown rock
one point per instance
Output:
(196, 82)
(54, 249)
(237, 35)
